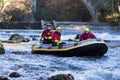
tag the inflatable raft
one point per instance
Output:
(82, 48)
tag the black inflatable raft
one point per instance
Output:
(82, 48)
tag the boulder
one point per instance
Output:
(62, 77)
(3, 78)
(18, 38)
(14, 75)
(2, 50)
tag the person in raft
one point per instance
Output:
(56, 37)
(86, 35)
(46, 37)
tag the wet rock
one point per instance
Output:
(41, 78)
(19, 52)
(2, 50)
(18, 38)
(18, 13)
(34, 39)
(62, 77)
(70, 40)
(3, 78)
(14, 75)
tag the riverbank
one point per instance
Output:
(38, 25)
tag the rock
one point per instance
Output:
(60, 9)
(18, 38)
(19, 52)
(41, 78)
(70, 40)
(3, 78)
(26, 40)
(62, 77)
(18, 9)
(14, 75)
(34, 39)
(2, 50)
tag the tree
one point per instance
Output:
(114, 17)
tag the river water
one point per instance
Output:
(33, 66)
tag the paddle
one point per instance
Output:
(41, 42)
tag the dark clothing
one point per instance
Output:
(47, 41)
(54, 44)
(86, 36)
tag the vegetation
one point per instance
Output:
(2, 3)
(114, 16)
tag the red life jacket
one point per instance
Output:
(86, 36)
(47, 33)
(56, 36)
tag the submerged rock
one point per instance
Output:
(34, 39)
(18, 38)
(41, 78)
(19, 52)
(2, 50)
(3, 78)
(62, 77)
(14, 75)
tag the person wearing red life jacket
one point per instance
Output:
(56, 37)
(46, 36)
(86, 35)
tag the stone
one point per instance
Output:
(41, 78)
(2, 50)
(34, 39)
(17, 10)
(62, 77)
(3, 78)
(14, 75)
(18, 38)
(64, 10)
(19, 52)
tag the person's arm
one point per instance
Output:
(50, 36)
(92, 35)
(77, 38)
(43, 34)
(81, 37)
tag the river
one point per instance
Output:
(33, 66)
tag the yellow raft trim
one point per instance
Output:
(65, 49)
(16, 44)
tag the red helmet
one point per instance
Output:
(48, 24)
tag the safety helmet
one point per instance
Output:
(86, 30)
(58, 28)
(48, 24)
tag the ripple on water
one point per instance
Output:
(33, 66)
